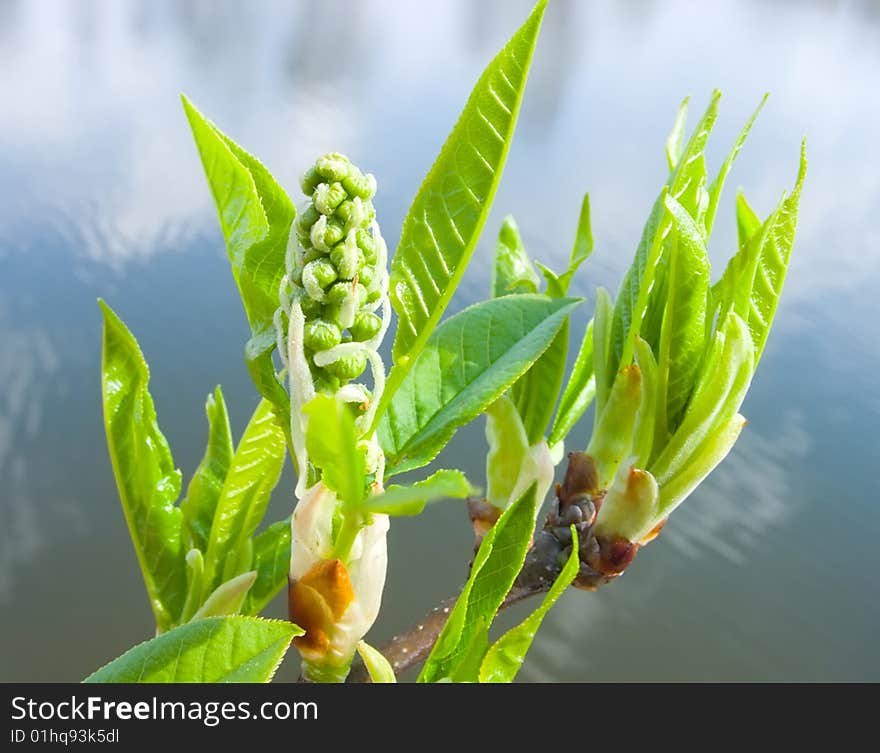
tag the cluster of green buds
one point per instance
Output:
(334, 311)
(334, 296)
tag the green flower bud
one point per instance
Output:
(309, 181)
(328, 196)
(345, 258)
(365, 326)
(348, 367)
(321, 271)
(333, 166)
(367, 244)
(366, 274)
(321, 335)
(307, 217)
(358, 184)
(338, 293)
(324, 381)
(311, 308)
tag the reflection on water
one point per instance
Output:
(766, 573)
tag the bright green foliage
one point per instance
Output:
(682, 337)
(331, 441)
(752, 283)
(512, 271)
(505, 657)
(217, 649)
(411, 500)
(612, 440)
(204, 489)
(255, 215)
(253, 474)
(228, 597)
(271, 562)
(148, 482)
(377, 665)
(447, 215)
(470, 360)
(496, 565)
(508, 450)
(579, 391)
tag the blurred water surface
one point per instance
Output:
(768, 573)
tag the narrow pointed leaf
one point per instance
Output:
(718, 184)
(612, 439)
(496, 565)
(411, 500)
(255, 216)
(378, 667)
(217, 649)
(331, 442)
(253, 474)
(747, 222)
(683, 333)
(148, 482)
(504, 658)
(579, 392)
(470, 361)
(204, 489)
(512, 271)
(228, 597)
(272, 564)
(675, 140)
(644, 429)
(508, 450)
(447, 215)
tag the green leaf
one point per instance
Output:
(148, 482)
(253, 474)
(272, 563)
(612, 438)
(537, 392)
(557, 285)
(579, 392)
(204, 489)
(331, 443)
(683, 333)
(747, 222)
(508, 450)
(496, 565)
(505, 657)
(447, 215)
(469, 362)
(377, 665)
(512, 271)
(255, 216)
(718, 184)
(675, 140)
(603, 358)
(644, 430)
(411, 500)
(721, 388)
(753, 280)
(217, 649)
(639, 291)
(228, 597)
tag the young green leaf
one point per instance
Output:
(683, 333)
(718, 184)
(644, 430)
(255, 216)
(505, 657)
(603, 358)
(331, 442)
(216, 649)
(639, 291)
(447, 215)
(272, 563)
(721, 388)
(470, 360)
(612, 439)
(204, 489)
(579, 392)
(411, 500)
(675, 140)
(496, 565)
(147, 480)
(512, 271)
(253, 474)
(557, 285)
(228, 598)
(753, 280)
(747, 222)
(508, 450)
(377, 665)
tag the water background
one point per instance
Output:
(769, 572)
